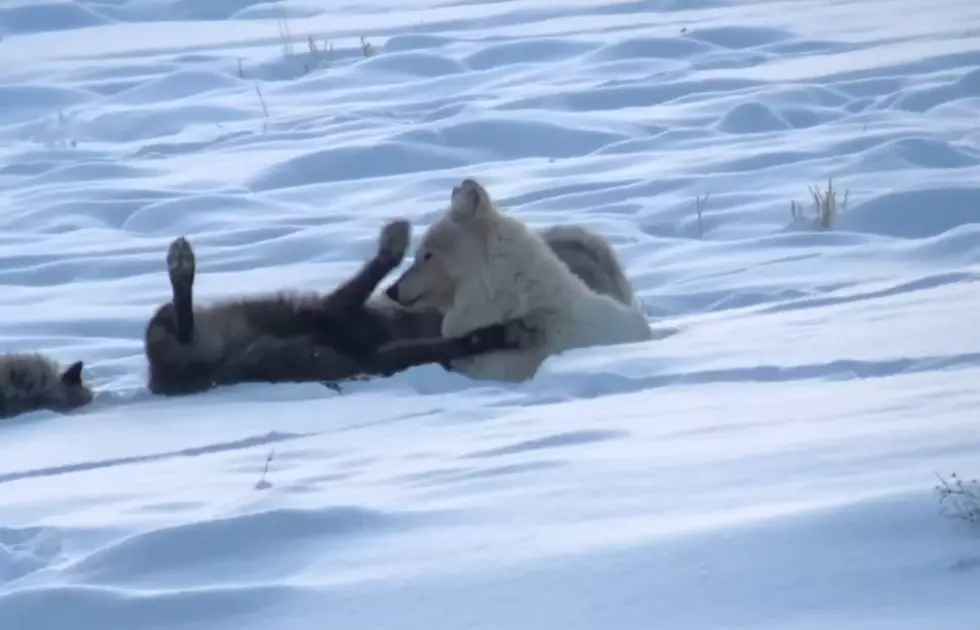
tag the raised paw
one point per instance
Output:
(395, 237)
(180, 262)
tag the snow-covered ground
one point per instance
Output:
(770, 465)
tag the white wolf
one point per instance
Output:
(480, 266)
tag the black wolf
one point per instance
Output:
(301, 337)
(30, 382)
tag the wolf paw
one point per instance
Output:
(395, 237)
(514, 334)
(520, 333)
(180, 262)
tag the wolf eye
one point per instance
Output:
(426, 256)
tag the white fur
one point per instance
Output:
(508, 270)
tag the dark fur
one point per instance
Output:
(300, 338)
(31, 382)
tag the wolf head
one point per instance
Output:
(31, 381)
(450, 250)
(72, 391)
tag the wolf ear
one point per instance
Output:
(469, 200)
(73, 375)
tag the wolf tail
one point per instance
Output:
(591, 258)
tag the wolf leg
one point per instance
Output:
(180, 268)
(514, 334)
(392, 245)
(342, 320)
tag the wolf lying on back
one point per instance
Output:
(31, 382)
(313, 338)
(479, 266)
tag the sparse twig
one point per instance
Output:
(63, 130)
(284, 33)
(265, 110)
(318, 56)
(314, 56)
(959, 499)
(826, 206)
(366, 48)
(700, 207)
(262, 483)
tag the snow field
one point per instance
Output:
(767, 463)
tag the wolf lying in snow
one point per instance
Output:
(480, 266)
(31, 382)
(586, 254)
(298, 338)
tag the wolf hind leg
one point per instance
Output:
(395, 356)
(181, 266)
(343, 320)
